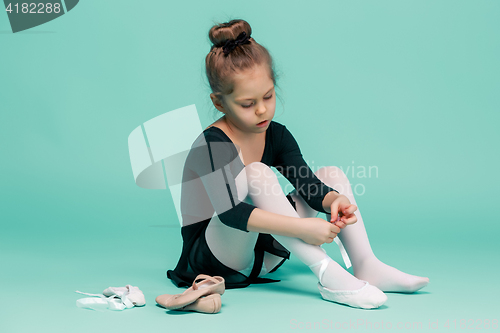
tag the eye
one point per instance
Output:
(247, 106)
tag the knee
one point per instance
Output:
(253, 177)
(259, 170)
(261, 179)
(330, 173)
(335, 178)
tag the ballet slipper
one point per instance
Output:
(208, 304)
(367, 297)
(134, 294)
(208, 285)
(103, 302)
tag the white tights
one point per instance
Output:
(235, 248)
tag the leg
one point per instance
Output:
(233, 247)
(220, 237)
(262, 187)
(355, 239)
(266, 193)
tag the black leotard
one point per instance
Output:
(208, 186)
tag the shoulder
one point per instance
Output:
(218, 145)
(211, 134)
(210, 151)
(280, 133)
(215, 134)
(277, 130)
(275, 125)
(283, 140)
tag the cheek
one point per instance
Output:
(272, 102)
(246, 117)
(272, 107)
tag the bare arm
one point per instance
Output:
(271, 223)
(328, 200)
(312, 230)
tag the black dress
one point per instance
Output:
(208, 186)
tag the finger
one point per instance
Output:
(350, 219)
(334, 229)
(334, 211)
(340, 224)
(349, 209)
(332, 220)
(330, 240)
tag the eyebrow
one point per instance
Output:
(249, 99)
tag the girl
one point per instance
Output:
(237, 222)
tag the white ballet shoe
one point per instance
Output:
(367, 297)
(112, 303)
(134, 294)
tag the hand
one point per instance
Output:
(316, 231)
(342, 212)
(339, 223)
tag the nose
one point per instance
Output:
(261, 109)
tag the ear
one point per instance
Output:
(217, 103)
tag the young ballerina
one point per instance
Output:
(237, 222)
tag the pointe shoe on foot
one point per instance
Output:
(208, 285)
(208, 304)
(367, 297)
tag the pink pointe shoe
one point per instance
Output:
(208, 285)
(207, 304)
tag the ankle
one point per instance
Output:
(363, 262)
(323, 264)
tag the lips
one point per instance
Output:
(262, 122)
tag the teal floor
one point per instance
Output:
(43, 265)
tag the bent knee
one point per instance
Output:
(330, 172)
(258, 170)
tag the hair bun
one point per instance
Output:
(233, 50)
(220, 33)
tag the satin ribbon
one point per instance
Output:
(343, 252)
(114, 302)
(324, 261)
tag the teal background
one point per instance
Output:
(410, 87)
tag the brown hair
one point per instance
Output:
(220, 67)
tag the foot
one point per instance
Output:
(387, 278)
(337, 285)
(334, 277)
(367, 297)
